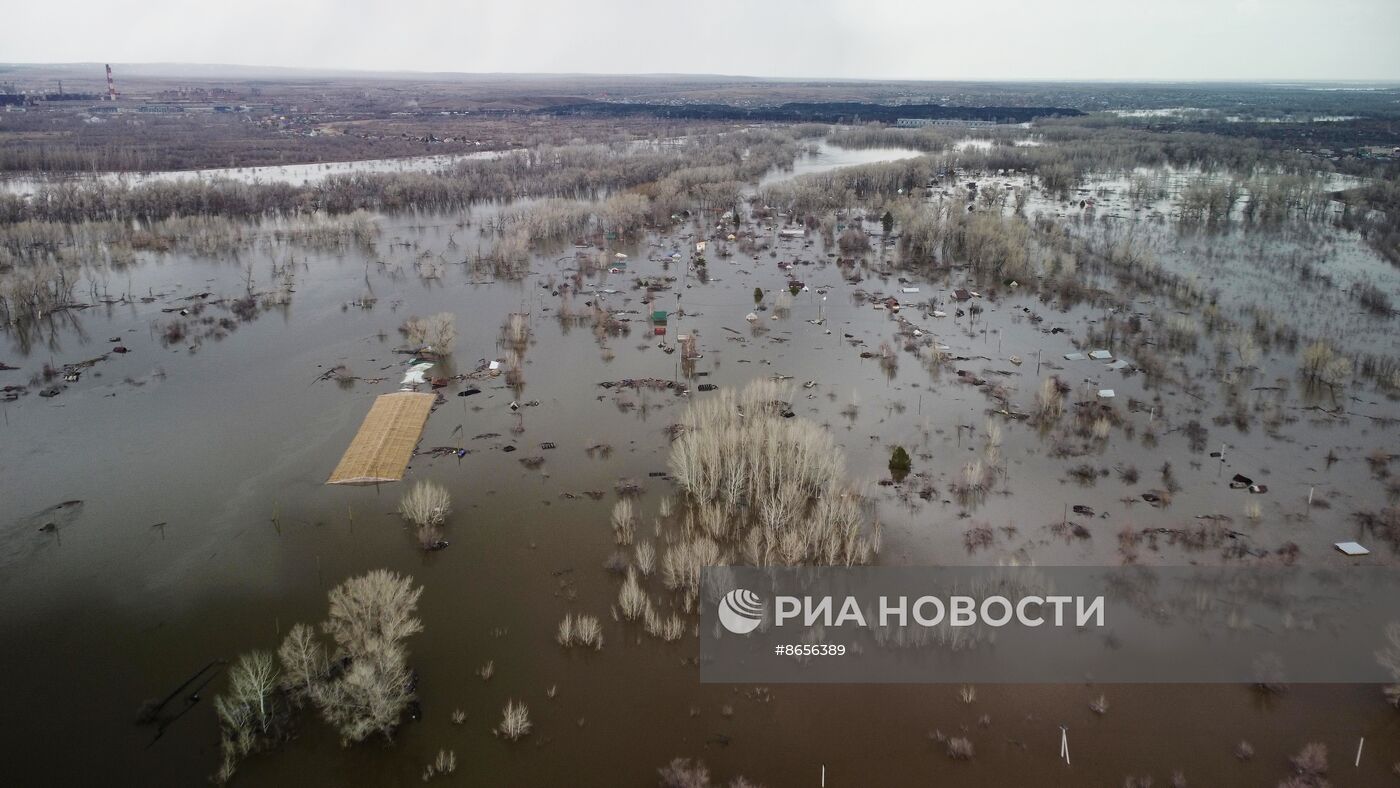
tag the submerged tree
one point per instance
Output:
(370, 617)
(371, 694)
(371, 609)
(515, 721)
(900, 464)
(683, 773)
(1323, 364)
(1309, 767)
(769, 487)
(363, 689)
(426, 505)
(304, 663)
(853, 240)
(252, 714)
(436, 333)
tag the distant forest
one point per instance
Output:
(820, 112)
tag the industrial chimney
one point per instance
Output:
(111, 88)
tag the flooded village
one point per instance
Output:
(405, 471)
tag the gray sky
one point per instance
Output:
(932, 39)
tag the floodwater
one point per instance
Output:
(274, 173)
(831, 157)
(205, 528)
(827, 157)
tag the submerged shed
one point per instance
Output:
(381, 449)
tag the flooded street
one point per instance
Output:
(203, 526)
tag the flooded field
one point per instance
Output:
(286, 173)
(824, 157)
(166, 507)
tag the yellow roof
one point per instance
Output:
(381, 449)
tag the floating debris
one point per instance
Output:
(441, 451)
(416, 374)
(640, 383)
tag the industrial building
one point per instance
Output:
(918, 123)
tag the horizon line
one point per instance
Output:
(351, 71)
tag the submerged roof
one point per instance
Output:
(386, 440)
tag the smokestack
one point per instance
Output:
(111, 88)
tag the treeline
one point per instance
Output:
(691, 168)
(928, 139)
(997, 248)
(712, 179)
(1269, 198)
(1374, 211)
(865, 184)
(1119, 149)
(42, 262)
(1071, 151)
(812, 111)
(62, 142)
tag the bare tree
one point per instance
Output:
(249, 714)
(376, 607)
(372, 693)
(304, 662)
(426, 505)
(683, 773)
(515, 721)
(370, 616)
(252, 681)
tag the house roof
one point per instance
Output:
(386, 439)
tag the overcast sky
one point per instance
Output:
(927, 39)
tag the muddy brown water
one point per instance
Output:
(206, 530)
